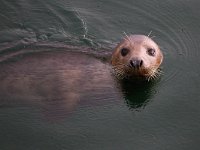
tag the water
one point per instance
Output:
(36, 111)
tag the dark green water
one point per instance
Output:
(60, 108)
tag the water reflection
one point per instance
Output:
(137, 94)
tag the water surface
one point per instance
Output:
(41, 109)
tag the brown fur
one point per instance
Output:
(137, 46)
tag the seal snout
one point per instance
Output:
(135, 63)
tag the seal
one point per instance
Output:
(137, 56)
(58, 80)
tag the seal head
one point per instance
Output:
(137, 56)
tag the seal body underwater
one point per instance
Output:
(55, 81)
(137, 56)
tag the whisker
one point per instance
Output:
(154, 74)
(152, 37)
(127, 36)
(149, 33)
(119, 71)
(122, 71)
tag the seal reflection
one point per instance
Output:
(137, 94)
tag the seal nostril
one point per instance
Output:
(135, 63)
(141, 62)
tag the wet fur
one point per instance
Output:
(122, 70)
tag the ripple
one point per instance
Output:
(56, 24)
(175, 38)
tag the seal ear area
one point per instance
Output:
(160, 56)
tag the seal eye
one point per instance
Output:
(124, 51)
(151, 51)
